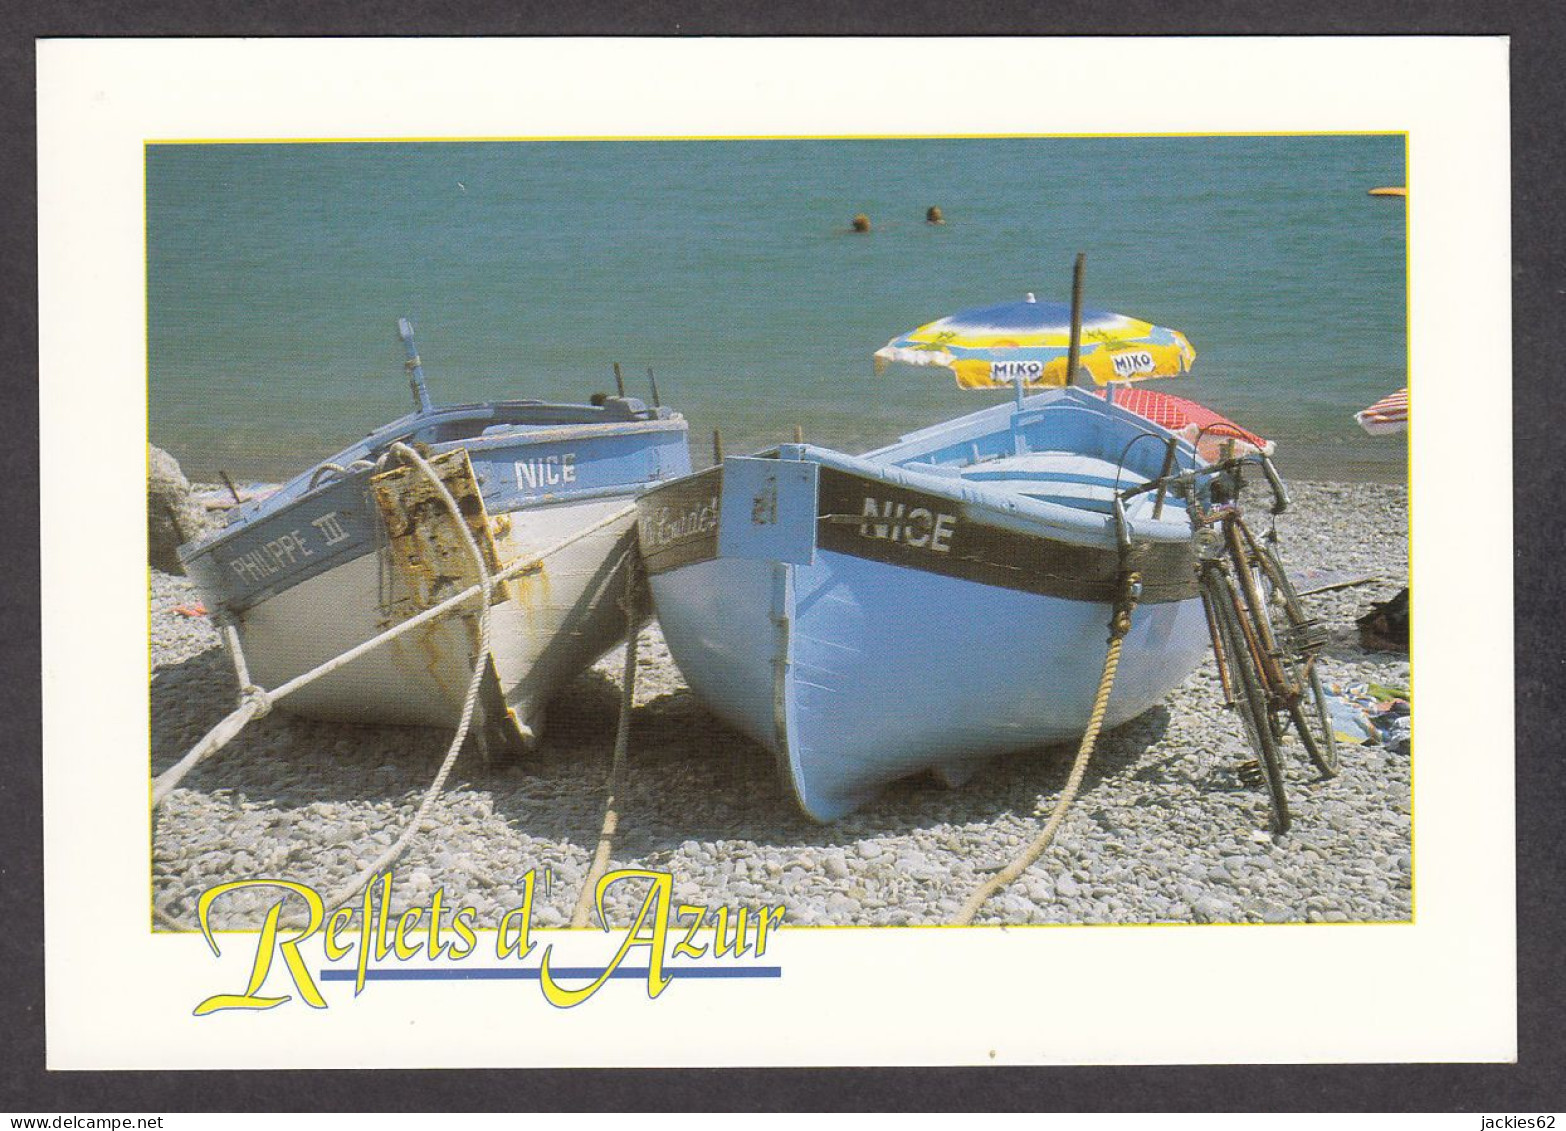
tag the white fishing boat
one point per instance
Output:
(364, 541)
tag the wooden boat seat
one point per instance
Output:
(1069, 478)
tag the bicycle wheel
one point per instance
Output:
(1299, 638)
(1237, 668)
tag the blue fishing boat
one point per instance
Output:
(362, 541)
(934, 603)
(929, 605)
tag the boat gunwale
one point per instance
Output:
(1009, 510)
(996, 417)
(281, 502)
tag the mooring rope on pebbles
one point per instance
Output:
(257, 701)
(1030, 855)
(1119, 627)
(586, 897)
(469, 701)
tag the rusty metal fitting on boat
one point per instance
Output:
(1130, 592)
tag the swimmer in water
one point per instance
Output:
(933, 215)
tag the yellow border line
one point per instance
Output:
(146, 380)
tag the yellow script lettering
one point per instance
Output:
(654, 913)
(262, 964)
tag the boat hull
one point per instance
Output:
(856, 673)
(548, 626)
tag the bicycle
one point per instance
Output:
(1265, 642)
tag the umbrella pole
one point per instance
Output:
(1074, 352)
(1016, 415)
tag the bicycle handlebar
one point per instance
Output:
(1280, 494)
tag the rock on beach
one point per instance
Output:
(174, 517)
(1164, 830)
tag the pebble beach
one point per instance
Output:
(1164, 831)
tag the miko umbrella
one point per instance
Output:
(1388, 415)
(1029, 342)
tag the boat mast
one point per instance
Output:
(421, 395)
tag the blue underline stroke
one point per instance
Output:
(530, 973)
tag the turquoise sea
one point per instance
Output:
(276, 273)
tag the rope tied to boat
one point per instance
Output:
(258, 697)
(1128, 594)
(469, 702)
(225, 730)
(255, 701)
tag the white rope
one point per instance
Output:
(259, 703)
(260, 700)
(338, 469)
(214, 740)
(236, 654)
(480, 665)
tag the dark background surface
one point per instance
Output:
(1533, 1084)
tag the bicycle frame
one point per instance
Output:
(1271, 666)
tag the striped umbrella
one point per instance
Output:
(1028, 342)
(1388, 415)
(1205, 429)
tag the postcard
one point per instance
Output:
(776, 552)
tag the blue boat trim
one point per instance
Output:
(476, 424)
(995, 429)
(308, 528)
(768, 509)
(1008, 476)
(252, 561)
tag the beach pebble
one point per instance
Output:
(1210, 910)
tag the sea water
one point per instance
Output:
(276, 273)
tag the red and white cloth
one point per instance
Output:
(1196, 423)
(1388, 415)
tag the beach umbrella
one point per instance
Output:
(1030, 341)
(1031, 344)
(1388, 415)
